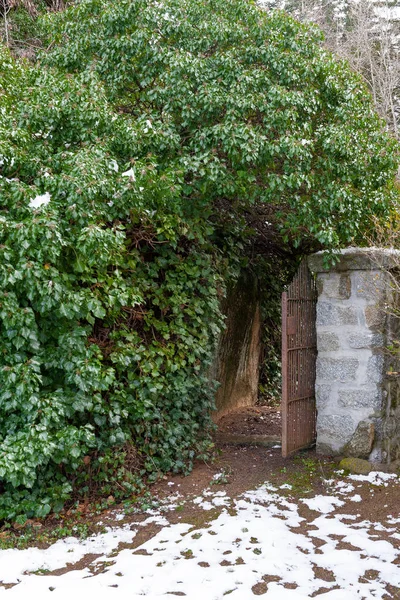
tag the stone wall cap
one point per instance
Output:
(356, 259)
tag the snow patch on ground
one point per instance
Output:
(375, 478)
(262, 536)
(323, 504)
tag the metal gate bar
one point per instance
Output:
(299, 351)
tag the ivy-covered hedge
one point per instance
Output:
(109, 294)
(134, 157)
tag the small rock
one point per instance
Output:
(357, 466)
(361, 443)
(393, 467)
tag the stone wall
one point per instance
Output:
(357, 390)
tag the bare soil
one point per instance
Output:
(246, 467)
(252, 420)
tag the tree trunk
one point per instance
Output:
(238, 354)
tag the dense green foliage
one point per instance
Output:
(251, 108)
(158, 148)
(109, 293)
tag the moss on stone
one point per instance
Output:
(356, 465)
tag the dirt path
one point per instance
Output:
(253, 420)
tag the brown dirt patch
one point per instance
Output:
(252, 420)
(85, 562)
(261, 587)
(324, 590)
(324, 574)
(393, 593)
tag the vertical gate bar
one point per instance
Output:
(285, 395)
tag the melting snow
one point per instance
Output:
(355, 498)
(323, 504)
(375, 478)
(262, 535)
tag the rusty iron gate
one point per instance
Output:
(299, 351)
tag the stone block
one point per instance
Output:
(390, 427)
(325, 448)
(375, 317)
(330, 314)
(356, 466)
(392, 467)
(369, 285)
(392, 388)
(336, 369)
(365, 340)
(378, 421)
(327, 341)
(375, 368)
(359, 398)
(355, 259)
(362, 440)
(337, 426)
(334, 285)
(333, 432)
(323, 395)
